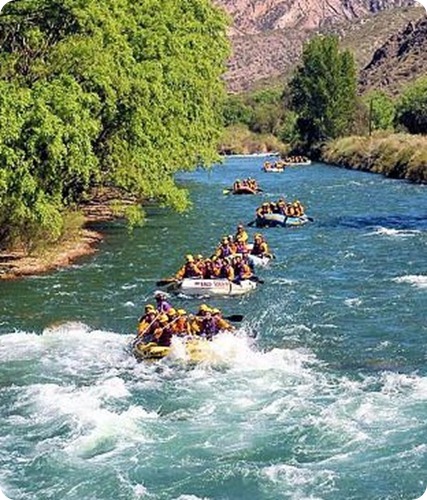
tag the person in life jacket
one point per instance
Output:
(162, 335)
(216, 267)
(298, 208)
(162, 305)
(241, 246)
(181, 326)
(242, 269)
(281, 205)
(224, 250)
(263, 210)
(237, 185)
(200, 263)
(241, 233)
(227, 270)
(260, 248)
(221, 323)
(189, 269)
(208, 326)
(148, 323)
(209, 272)
(290, 210)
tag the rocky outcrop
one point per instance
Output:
(268, 35)
(402, 59)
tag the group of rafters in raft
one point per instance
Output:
(228, 271)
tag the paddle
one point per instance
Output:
(166, 281)
(310, 218)
(250, 224)
(255, 279)
(236, 318)
(226, 191)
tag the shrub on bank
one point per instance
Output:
(401, 156)
(238, 139)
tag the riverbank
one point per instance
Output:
(239, 140)
(18, 263)
(400, 156)
(80, 239)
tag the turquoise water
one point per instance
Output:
(322, 394)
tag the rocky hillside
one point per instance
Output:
(400, 60)
(267, 35)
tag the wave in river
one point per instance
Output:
(417, 280)
(88, 401)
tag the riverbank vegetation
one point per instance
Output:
(111, 94)
(319, 113)
(400, 156)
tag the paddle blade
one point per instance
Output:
(235, 318)
(250, 224)
(226, 191)
(165, 282)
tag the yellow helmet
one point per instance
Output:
(199, 256)
(204, 308)
(163, 318)
(171, 312)
(216, 311)
(149, 307)
(182, 312)
(189, 258)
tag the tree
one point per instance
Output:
(411, 109)
(323, 91)
(382, 110)
(116, 93)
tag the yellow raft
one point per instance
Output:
(195, 350)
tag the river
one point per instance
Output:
(322, 394)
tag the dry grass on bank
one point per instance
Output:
(401, 156)
(240, 140)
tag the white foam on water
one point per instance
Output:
(416, 280)
(3, 496)
(298, 476)
(395, 233)
(355, 302)
(248, 393)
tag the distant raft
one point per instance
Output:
(212, 287)
(245, 190)
(274, 220)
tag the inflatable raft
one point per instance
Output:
(194, 350)
(212, 288)
(257, 261)
(244, 190)
(273, 220)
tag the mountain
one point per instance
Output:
(400, 60)
(267, 35)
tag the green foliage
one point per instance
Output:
(412, 107)
(236, 111)
(323, 90)
(289, 130)
(382, 110)
(114, 93)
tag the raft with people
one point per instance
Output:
(246, 186)
(164, 330)
(228, 272)
(281, 213)
(275, 220)
(277, 166)
(296, 161)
